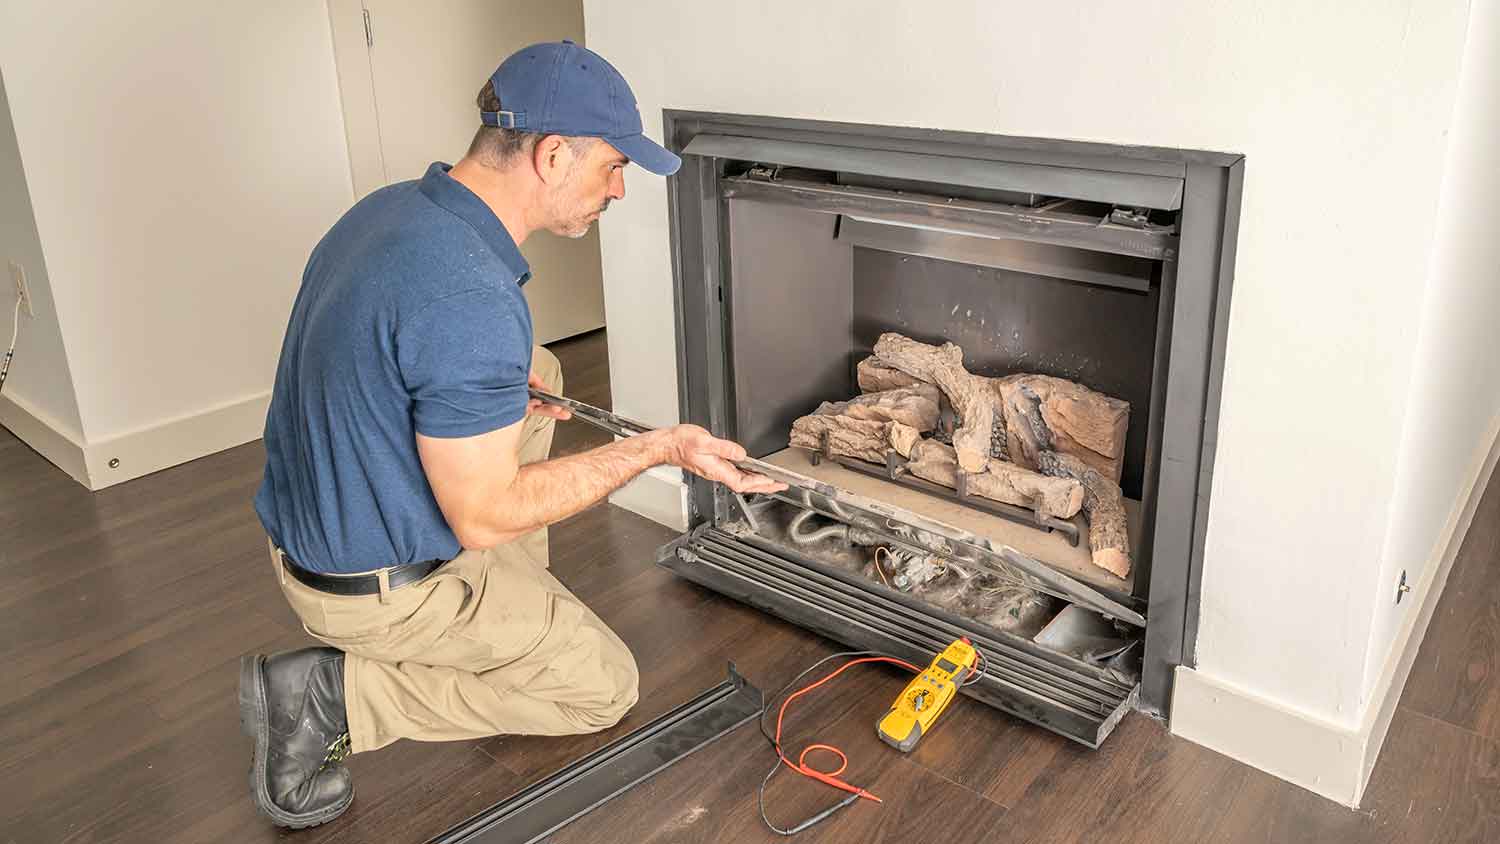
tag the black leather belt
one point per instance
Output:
(360, 584)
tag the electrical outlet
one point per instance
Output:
(18, 275)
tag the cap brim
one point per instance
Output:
(647, 153)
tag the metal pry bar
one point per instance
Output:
(617, 425)
(976, 550)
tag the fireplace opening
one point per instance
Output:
(811, 293)
(1000, 352)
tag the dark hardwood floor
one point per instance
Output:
(123, 615)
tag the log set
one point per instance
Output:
(862, 439)
(1026, 439)
(1000, 481)
(972, 397)
(871, 440)
(875, 376)
(1103, 506)
(1042, 413)
(915, 406)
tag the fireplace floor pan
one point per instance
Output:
(1049, 687)
(1052, 548)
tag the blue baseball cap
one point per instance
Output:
(560, 88)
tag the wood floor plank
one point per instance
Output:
(585, 365)
(1142, 785)
(129, 778)
(604, 546)
(1434, 782)
(151, 669)
(450, 782)
(119, 630)
(1456, 675)
(1015, 754)
(67, 752)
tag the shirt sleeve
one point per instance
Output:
(465, 359)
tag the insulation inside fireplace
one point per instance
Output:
(995, 603)
(1051, 548)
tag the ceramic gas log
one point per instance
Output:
(1032, 440)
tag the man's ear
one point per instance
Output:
(551, 158)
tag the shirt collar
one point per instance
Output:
(447, 192)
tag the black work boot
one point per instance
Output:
(292, 705)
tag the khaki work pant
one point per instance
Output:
(491, 643)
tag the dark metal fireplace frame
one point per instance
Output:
(1197, 276)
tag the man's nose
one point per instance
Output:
(617, 185)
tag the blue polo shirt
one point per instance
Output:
(410, 320)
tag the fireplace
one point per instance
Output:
(798, 245)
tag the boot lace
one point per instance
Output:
(338, 750)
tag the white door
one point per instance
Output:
(409, 73)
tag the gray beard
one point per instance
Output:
(587, 224)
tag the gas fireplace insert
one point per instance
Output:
(1012, 345)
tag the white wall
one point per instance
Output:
(1339, 114)
(1454, 397)
(39, 373)
(183, 158)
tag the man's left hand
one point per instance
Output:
(541, 408)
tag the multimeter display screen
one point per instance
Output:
(946, 665)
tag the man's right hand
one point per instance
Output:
(707, 456)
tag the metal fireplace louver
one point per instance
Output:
(1077, 700)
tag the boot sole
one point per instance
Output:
(256, 724)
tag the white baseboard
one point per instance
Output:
(659, 494)
(62, 447)
(175, 441)
(1321, 756)
(1326, 758)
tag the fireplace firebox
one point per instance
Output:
(798, 245)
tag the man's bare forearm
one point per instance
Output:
(552, 490)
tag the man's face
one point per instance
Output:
(595, 177)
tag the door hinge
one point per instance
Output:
(369, 33)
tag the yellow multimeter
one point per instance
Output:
(926, 696)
